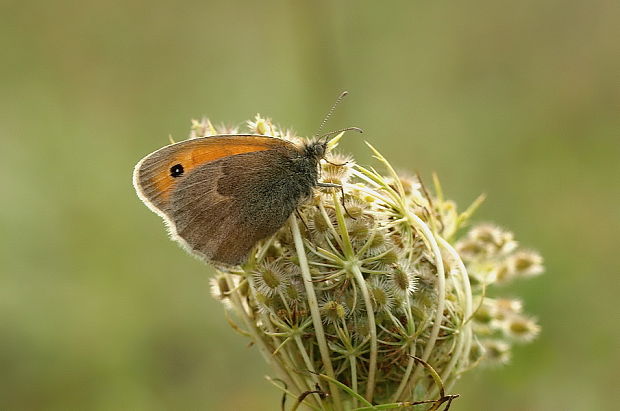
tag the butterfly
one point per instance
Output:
(220, 195)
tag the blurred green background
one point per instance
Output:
(99, 310)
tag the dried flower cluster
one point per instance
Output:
(373, 299)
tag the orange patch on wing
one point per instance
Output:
(193, 157)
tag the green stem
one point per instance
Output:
(314, 310)
(372, 366)
(466, 327)
(441, 289)
(354, 267)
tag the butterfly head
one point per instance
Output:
(316, 150)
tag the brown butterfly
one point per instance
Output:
(220, 195)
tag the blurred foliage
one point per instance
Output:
(100, 311)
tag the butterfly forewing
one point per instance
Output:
(157, 174)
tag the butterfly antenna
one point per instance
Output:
(331, 133)
(331, 111)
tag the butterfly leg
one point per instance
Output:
(331, 185)
(302, 219)
(336, 164)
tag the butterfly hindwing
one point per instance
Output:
(243, 199)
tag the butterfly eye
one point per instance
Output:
(176, 170)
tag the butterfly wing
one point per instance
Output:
(228, 193)
(154, 177)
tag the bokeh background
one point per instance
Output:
(100, 311)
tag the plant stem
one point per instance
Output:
(314, 310)
(441, 289)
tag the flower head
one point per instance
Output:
(354, 287)
(271, 278)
